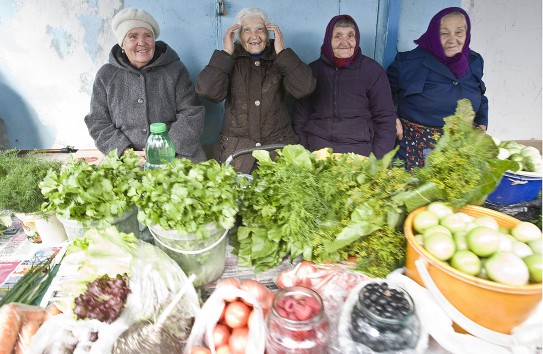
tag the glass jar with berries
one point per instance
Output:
(383, 318)
(297, 323)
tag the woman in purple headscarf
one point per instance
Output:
(428, 81)
(351, 109)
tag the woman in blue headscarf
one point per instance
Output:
(428, 81)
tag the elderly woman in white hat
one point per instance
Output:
(144, 82)
(253, 74)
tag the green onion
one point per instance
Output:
(32, 284)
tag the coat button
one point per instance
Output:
(140, 100)
(455, 83)
(257, 103)
(144, 131)
(257, 63)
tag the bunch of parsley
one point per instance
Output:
(186, 196)
(92, 193)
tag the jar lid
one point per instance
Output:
(157, 128)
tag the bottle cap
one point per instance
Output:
(158, 128)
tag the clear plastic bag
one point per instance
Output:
(211, 312)
(63, 333)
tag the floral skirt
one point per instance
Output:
(418, 140)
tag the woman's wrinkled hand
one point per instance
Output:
(399, 129)
(229, 38)
(279, 43)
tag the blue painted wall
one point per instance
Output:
(54, 49)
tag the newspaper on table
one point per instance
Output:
(18, 255)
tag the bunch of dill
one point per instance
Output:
(19, 180)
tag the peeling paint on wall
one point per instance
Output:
(52, 56)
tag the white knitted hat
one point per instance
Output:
(130, 18)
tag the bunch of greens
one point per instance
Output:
(300, 204)
(153, 277)
(96, 253)
(463, 168)
(347, 205)
(31, 285)
(86, 192)
(186, 196)
(19, 179)
(5, 221)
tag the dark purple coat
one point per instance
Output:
(351, 109)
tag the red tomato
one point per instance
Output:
(221, 317)
(229, 281)
(304, 270)
(236, 314)
(238, 340)
(251, 322)
(252, 318)
(234, 282)
(225, 349)
(220, 335)
(286, 279)
(200, 350)
(263, 295)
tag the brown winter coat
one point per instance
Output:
(255, 90)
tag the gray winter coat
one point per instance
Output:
(125, 101)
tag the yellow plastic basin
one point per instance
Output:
(495, 306)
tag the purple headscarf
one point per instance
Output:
(326, 48)
(430, 41)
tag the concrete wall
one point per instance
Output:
(53, 48)
(508, 36)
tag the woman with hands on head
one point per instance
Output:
(253, 73)
(144, 82)
(428, 81)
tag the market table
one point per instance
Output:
(17, 253)
(21, 246)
